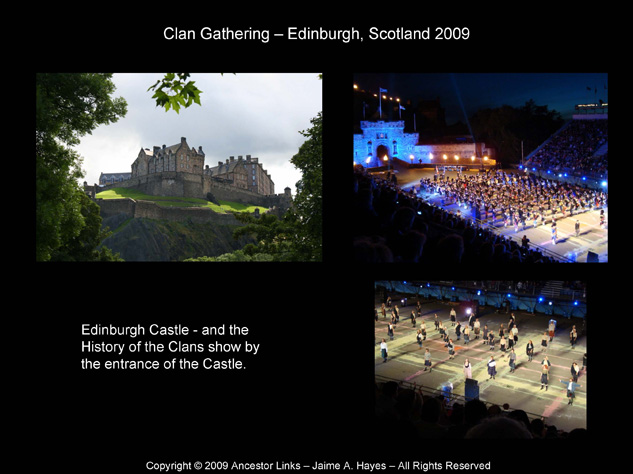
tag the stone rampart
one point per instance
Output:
(178, 184)
(151, 210)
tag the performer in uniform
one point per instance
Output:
(453, 316)
(383, 350)
(466, 335)
(529, 350)
(544, 376)
(418, 336)
(427, 360)
(571, 389)
(551, 328)
(573, 336)
(544, 342)
(423, 329)
(492, 367)
(451, 349)
(390, 331)
(491, 340)
(468, 373)
(513, 359)
(575, 371)
(477, 327)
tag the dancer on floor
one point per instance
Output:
(544, 376)
(492, 368)
(513, 358)
(529, 350)
(383, 350)
(468, 372)
(451, 349)
(571, 390)
(427, 360)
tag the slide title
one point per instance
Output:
(318, 34)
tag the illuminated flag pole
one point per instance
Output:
(380, 99)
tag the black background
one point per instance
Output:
(308, 394)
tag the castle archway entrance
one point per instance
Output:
(381, 152)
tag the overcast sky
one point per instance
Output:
(243, 114)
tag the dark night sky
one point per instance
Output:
(559, 91)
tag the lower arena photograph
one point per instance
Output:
(482, 359)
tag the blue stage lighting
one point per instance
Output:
(540, 299)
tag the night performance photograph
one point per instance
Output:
(480, 168)
(481, 359)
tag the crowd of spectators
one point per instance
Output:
(391, 225)
(574, 148)
(415, 416)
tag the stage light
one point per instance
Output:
(604, 183)
(550, 303)
(430, 156)
(509, 295)
(540, 299)
(584, 178)
(453, 288)
(533, 169)
(468, 310)
(575, 303)
(368, 159)
(478, 292)
(445, 157)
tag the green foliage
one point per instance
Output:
(84, 247)
(175, 91)
(505, 127)
(67, 106)
(306, 217)
(182, 93)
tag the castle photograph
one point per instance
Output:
(176, 149)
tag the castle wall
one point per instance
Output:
(171, 183)
(151, 210)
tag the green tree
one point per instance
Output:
(67, 107)
(306, 216)
(175, 90)
(505, 127)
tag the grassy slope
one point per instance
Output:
(223, 208)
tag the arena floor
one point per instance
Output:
(520, 389)
(591, 238)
